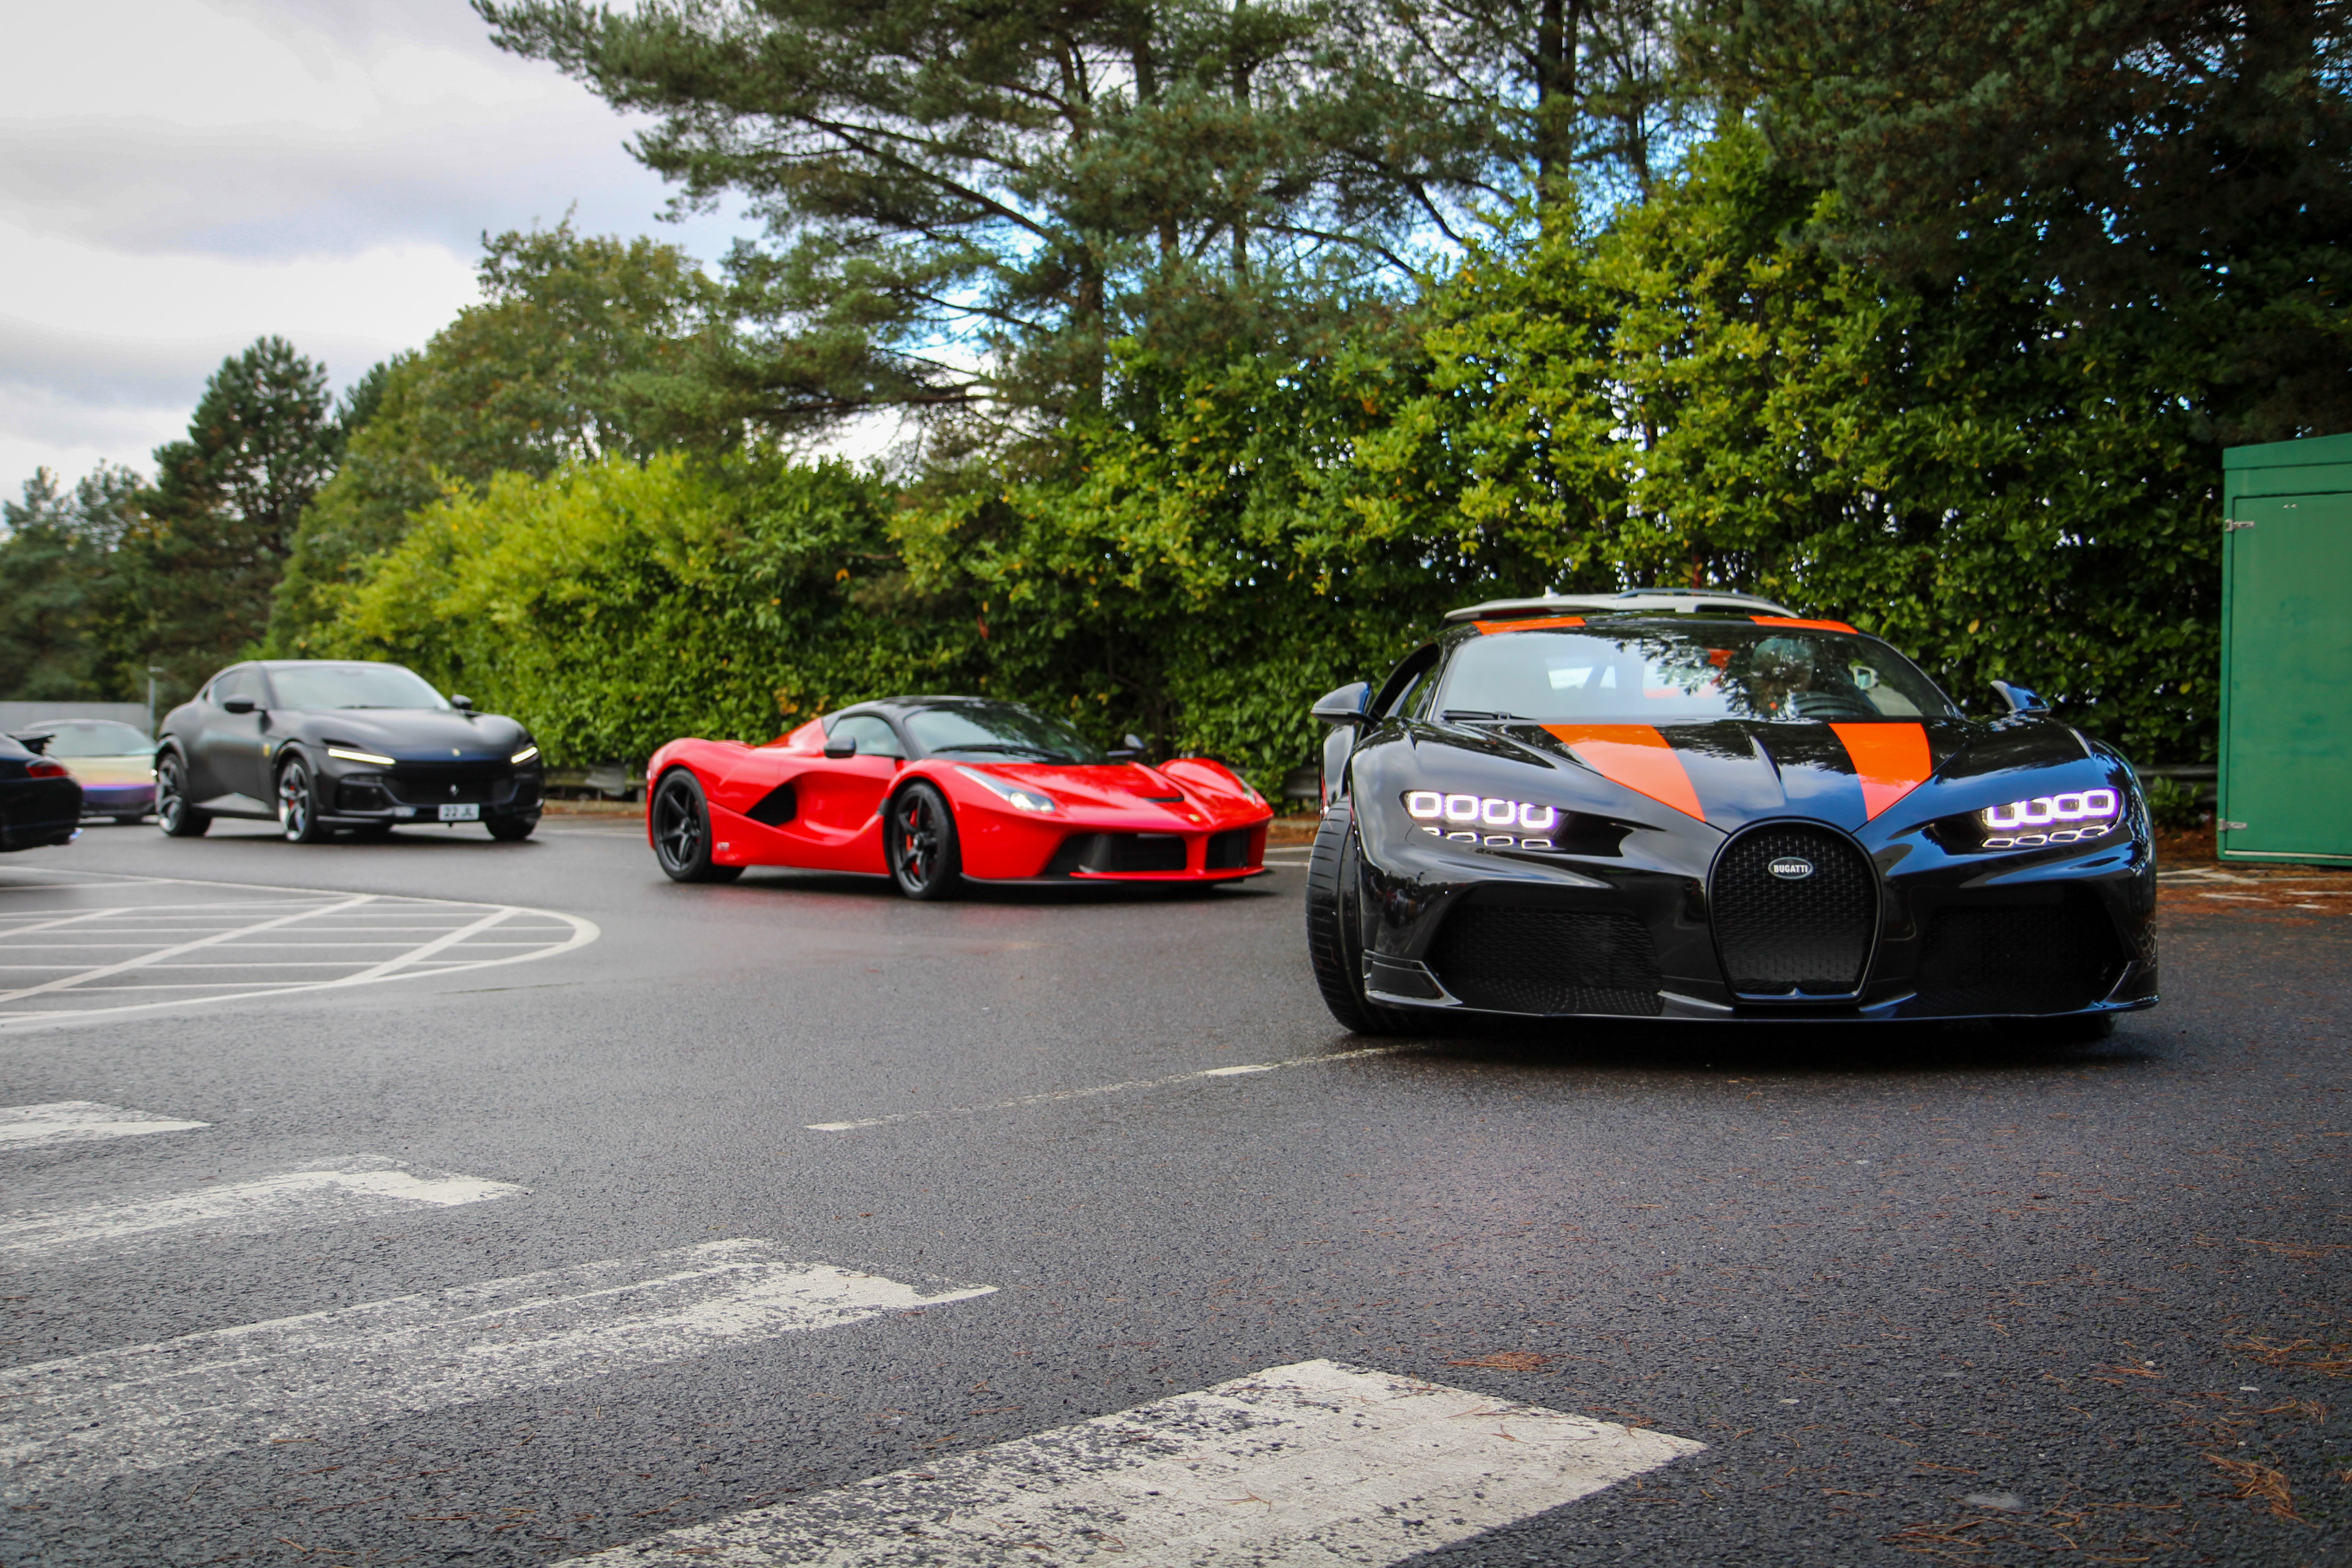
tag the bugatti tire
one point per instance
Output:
(1334, 935)
(297, 806)
(174, 814)
(681, 832)
(925, 860)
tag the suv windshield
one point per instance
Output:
(1650, 674)
(97, 738)
(1003, 730)
(313, 687)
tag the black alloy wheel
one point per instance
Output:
(925, 860)
(511, 829)
(297, 806)
(681, 824)
(174, 814)
(1335, 942)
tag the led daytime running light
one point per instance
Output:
(351, 756)
(1019, 799)
(2086, 805)
(523, 756)
(1479, 811)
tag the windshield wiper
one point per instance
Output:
(1452, 713)
(1050, 756)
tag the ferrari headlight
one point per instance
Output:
(1482, 819)
(1018, 796)
(523, 756)
(351, 756)
(2050, 819)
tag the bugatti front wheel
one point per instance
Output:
(681, 830)
(925, 860)
(1334, 933)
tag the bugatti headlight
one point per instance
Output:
(1019, 797)
(1483, 819)
(2050, 819)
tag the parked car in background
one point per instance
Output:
(323, 746)
(40, 803)
(113, 763)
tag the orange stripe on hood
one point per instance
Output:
(1892, 761)
(1636, 756)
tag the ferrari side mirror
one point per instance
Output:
(2021, 702)
(1345, 706)
(1133, 742)
(838, 748)
(238, 704)
(462, 704)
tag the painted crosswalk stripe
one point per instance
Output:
(80, 1419)
(1317, 1463)
(78, 1120)
(360, 1189)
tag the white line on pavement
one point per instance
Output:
(359, 1190)
(78, 1120)
(1313, 1463)
(160, 954)
(1049, 1099)
(71, 1421)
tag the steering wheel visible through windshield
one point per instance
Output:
(1650, 674)
(1005, 730)
(313, 687)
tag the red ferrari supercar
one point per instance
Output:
(930, 791)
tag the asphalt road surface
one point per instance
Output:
(444, 1201)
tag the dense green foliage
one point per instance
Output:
(59, 588)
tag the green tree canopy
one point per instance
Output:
(59, 593)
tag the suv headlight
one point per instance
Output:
(2050, 819)
(1483, 819)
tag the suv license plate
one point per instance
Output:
(461, 814)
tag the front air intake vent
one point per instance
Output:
(1796, 911)
(1503, 959)
(2055, 957)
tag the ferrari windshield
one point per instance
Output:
(1652, 674)
(1003, 730)
(97, 738)
(312, 687)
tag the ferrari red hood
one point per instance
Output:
(1118, 787)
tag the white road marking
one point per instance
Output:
(1313, 1463)
(78, 1120)
(69, 1422)
(1057, 1095)
(214, 939)
(360, 1189)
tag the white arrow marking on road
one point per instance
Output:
(359, 1190)
(78, 1121)
(1313, 1463)
(69, 1422)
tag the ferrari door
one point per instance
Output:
(840, 797)
(227, 749)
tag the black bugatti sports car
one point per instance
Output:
(327, 744)
(1717, 815)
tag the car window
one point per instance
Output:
(316, 688)
(1652, 674)
(1005, 730)
(235, 683)
(873, 734)
(97, 738)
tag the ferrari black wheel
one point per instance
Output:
(1334, 938)
(297, 806)
(924, 858)
(511, 829)
(174, 814)
(682, 823)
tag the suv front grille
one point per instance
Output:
(2040, 958)
(1517, 960)
(1807, 936)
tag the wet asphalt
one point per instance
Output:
(1926, 1295)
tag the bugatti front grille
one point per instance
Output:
(1795, 908)
(2042, 958)
(1507, 960)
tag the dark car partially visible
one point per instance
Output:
(40, 804)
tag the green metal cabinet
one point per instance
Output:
(2286, 651)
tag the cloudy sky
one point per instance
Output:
(178, 177)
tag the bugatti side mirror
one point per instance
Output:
(838, 747)
(237, 705)
(463, 704)
(1346, 706)
(2021, 702)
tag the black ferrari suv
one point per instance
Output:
(319, 745)
(1719, 816)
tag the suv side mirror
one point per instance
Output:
(839, 748)
(2021, 702)
(462, 704)
(238, 704)
(1345, 706)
